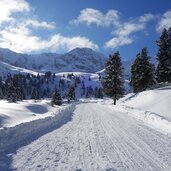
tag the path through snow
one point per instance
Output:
(97, 138)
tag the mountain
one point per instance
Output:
(6, 68)
(79, 59)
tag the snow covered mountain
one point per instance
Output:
(6, 69)
(79, 59)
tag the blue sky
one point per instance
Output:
(35, 26)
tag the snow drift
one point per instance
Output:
(152, 107)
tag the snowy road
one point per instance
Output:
(97, 138)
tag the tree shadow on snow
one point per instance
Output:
(37, 109)
(21, 135)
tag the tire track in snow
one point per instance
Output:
(97, 138)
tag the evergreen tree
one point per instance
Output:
(100, 93)
(142, 72)
(163, 71)
(56, 98)
(14, 88)
(71, 93)
(11, 92)
(113, 80)
(35, 94)
(1, 89)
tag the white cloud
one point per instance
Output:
(58, 41)
(124, 31)
(19, 36)
(128, 28)
(90, 16)
(20, 39)
(8, 7)
(147, 17)
(165, 21)
(37, 24)
(118, 41)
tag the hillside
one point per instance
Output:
(157, 101)
(151, 107)
(6, 69)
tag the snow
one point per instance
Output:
(90, 134)
(6, 69)
(75, 60)
(157, 101)
(151, 107)
(12, 114)
(96, 137)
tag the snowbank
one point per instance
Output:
(151, 107)
(157, 101)
(12, 114)
(13, 137)
(151, 119)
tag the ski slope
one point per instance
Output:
(97, 138)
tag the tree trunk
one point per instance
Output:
(114, 100)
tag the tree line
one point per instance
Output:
(144, 74)
(20, 87)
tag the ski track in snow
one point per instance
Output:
(97, 138)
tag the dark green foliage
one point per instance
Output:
(48, 75)
(142, 72)
(15, 90)
(71, 93)
(56, 98)
(113, 80)
(35, 94)
(163, 71)
(100, 93)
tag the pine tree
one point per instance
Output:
(142, 72)
(100, 93)
(35, 94)
(113, 80)
(71, 93)
(56, 98)
(163, 71)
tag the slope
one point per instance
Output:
(157, 101)
(6, 69)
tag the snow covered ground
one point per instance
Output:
(12, 114)
(151, 107)
(97, 137)
(6, 69)
(88, 135)
(157, 101)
